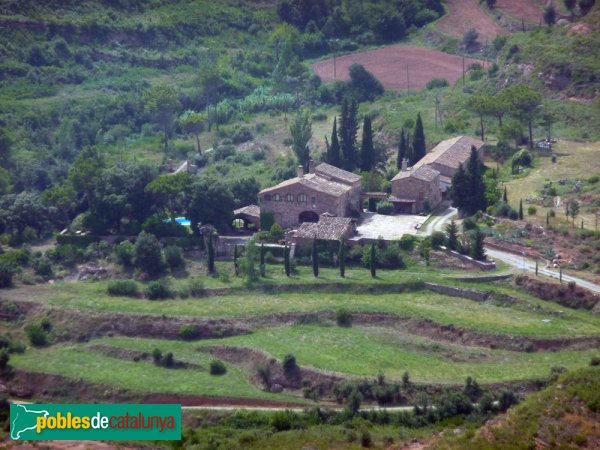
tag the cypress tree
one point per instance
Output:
(235, 260)
(210, 253)
(505, 196)
(475, 196)
(367, 154)
(419, 149)
(452, 236)
(347, 133)
(547, 218)
(286, 260)
(315, 259)
(460, 188)
(402, 150)
(521, 209)
(342, 258)
(262, 260)
(373, 261)
(477, 250)
(333, 149)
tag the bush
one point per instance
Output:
(156, 356)
(407, 242)
(437, 83)
(438, 238)
(174, 257)
(343, 318)
(217, 367)
(276, 233)
(196, 288)
(158, 290)
(241, 135)
(125, 253)
(148, 254)
(42, 267)
(513, 214)
(126, 288)
(168, 360)
(7, 272)
(289, 363)
(385, 208)
(36, 335)
(469, 224)
(522, 158)
(594, 179)
(188, 332)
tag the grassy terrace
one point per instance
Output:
(366, 350)
(526, 318)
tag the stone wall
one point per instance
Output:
(482, 265)
(452, 291)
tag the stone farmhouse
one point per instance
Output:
(426, 184)
(304, 198)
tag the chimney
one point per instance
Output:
(300, 171)
(311, 166)
(404, 164)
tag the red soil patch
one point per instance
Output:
(466, 14)
(529, 10)
(389, 66)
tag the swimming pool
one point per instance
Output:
(181, 221)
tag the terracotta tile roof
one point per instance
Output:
(337, 174)
(313, 182)
(451, 152)
(425, 173)
(327, 228)
(250, 210)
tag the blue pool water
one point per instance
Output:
(181, 221)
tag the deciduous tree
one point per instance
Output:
(301, 131)
(162, 101)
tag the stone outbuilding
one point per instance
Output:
(326, 229)
(304, 198)
(250, 215)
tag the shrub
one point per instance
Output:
(595, 362)
(158, 290)
(385, 208)
(407, 242)
(168, 360)
(365, 439)
(156, 355)
(7, 272)
(289, 363)
(188, 332)
(437, 83)
(276, 233)
(343, 318)
(506, 400)
(513, 214)
(126, 288)
(125, 253)
(243, 134)
(594, 179)
(196, 288)
(148, 254)
(438, 238)
(469, 224)
(217, 367)
(532, 210)
(42, 267)
(174, 257)
(36, 335)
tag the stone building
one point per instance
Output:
(304, 198)
(426, 184)
(326, 229)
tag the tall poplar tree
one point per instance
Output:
(419, 149)
(367, 153)
(333, 148)
(347, 133)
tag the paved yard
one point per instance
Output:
(389, 227)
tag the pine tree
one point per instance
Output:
(477, 250)
(475, 196)
(402, 150)
(505, 196)
(452, 236)
(367, 153)
(347, 133)
(286, 261)
(521, 209)
(419, 149)
(262, 260)
(342, 258)
(333, 149)
(460, 188)
(373, 261)
(314, 255)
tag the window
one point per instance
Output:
(302, 198)
(267, 198)
(277, 198)
(290, 198)
(313, 200)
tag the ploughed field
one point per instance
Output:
(390, 64)
(438, 339)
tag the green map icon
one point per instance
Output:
(24, 419)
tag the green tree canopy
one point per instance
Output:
(162, 101)
(301, 131)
